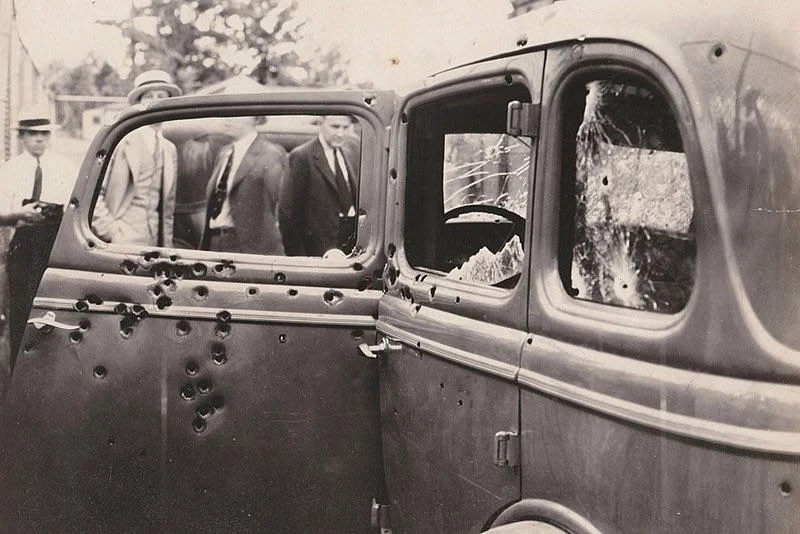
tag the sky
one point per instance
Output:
(389, 42)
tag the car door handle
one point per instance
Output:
(49, 319)
(386, 344)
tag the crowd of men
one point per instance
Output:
(258, 199)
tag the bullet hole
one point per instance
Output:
(199, 424)
(224, 316)
(81, 306)
(404, 118)
(391, 250)
(292, 292)
(111, 440)
(127, 322)
(204, 386)
(369, 100)
(282, 338)
(357, 333)
(75, 337)
(432, 291)
(200, 293)
(573, 291)
(391, 275)
(178, 272)
(332, 297)
(393, 174)
(192, 368)
(605, 180)
(405, 292)
(624, 286)
(530, 341)
(169, 284)
(218, 354)
(139, 311)
(280, 278)
(90, 243)
(73, 202)
(93, 299)
(163, 302)
(29, 347)
(174, 257)
(99, 371)
(156, 291)
(458, 299)
(182, 328)
(187, 392)
(508, 79)
(222, 330)
(363, 284)
(419, 344)
(84, 325)
(252, 291)
(423, 277)
(126, 333)
(415, 309)
(522, 41)
(128, 267)
(460, 402)
(150, 256)
(204, 410)
(217, 402)
(785, 488)
(100, 156)
(225, 269)
(199, 270)
(718, 50)
(358, 267)
(441, 385)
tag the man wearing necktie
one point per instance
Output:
(36, 185)
(319, 199)
(242, 193)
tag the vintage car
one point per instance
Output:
(572, 305)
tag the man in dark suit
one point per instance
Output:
(319, 198)
(243, 192)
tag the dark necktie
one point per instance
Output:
(221, 190)
(37, 182)
(345, 196)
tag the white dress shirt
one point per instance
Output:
(17, 176)
(240, 147)
(330, 154)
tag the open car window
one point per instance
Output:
(467, 188)
(281, 185)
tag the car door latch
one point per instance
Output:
(49, 319)
(386, 344)
(506, 449)
(379, 517)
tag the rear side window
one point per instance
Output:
(627, 235)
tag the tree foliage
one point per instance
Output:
(205, 41)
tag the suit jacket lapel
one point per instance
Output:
(321, 163)
(251, 157)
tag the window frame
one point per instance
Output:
(559, 314)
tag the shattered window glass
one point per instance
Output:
(633, 242)
(486, 182)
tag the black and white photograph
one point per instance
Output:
(397, 266)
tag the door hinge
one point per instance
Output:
(506, 449)
(379, 517)
(522, 119)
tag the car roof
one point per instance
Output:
(663, 27)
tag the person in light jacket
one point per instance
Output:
(137, 202)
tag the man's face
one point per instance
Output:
(335, 129)
(153, 94)
(35, 142)
(237, 127)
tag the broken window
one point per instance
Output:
(467, 188)
(630, 238)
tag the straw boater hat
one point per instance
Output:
(32, 120)
(151, 80)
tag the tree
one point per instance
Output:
(206, 41)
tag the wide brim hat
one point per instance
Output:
(152, 80)
(34, 121)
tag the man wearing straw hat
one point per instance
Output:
(36, 184)
(137, 201)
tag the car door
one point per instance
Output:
(177, 389)
(453, 319)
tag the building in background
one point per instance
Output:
(21, 83)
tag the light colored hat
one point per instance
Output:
(34, 120)
(151, 80)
